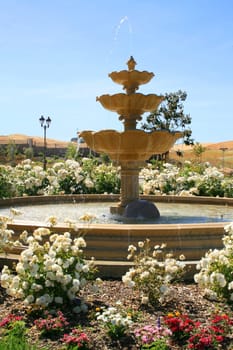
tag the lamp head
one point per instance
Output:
(41, 120)
(48, 122)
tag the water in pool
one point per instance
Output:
(171, 213)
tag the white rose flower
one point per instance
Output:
(144, 274)
(76, 283)
(80, 242)
(85, 268)
(36, 287)
(20, 293)
(71, 294)
(218, 278)
(27, 253)
(140, 244)
(58, 300)
(59, 276)
(25, 285)
(79, 267)
(128, 281)
(15, 282)
(49, 283)
(5, 280)
(67, 279)
(51, 276)
(144, 300)
(132, 248)
(44, 300)
(29, 299)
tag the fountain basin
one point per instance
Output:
(108, 243)
(130, 145)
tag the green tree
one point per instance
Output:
(29, 153)
(170, 116)
(11, 152)
(72, 151)
(198, 150)
(2, 152)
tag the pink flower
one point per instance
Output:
(77, 337)
(9, 319)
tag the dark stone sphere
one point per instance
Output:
(141, 209)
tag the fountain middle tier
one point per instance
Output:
(134, 104)
(130, 107)
(130, 145)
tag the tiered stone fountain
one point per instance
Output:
(132, 147)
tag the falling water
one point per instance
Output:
(123, 21)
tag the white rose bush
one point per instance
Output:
(49, 272)
(88, 176)
(153, 272)
(216, 270)
(188, 180)
(6, 235)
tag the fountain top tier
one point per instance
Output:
(131, 79)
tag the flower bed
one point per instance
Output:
(51, 299)
(90, 177)
(187, 301)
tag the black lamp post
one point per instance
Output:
(45, 123)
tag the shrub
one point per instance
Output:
(210, 334)
(6, 241)
(153, 337)
(116, 320)
(89, 176)
(14, 336)
(53, 272)
(153, 272)
(106, 179)
(216, 270)
(76, 340)
(6, 182)
(180, 325)
(51, 325)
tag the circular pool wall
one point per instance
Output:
(109, 242)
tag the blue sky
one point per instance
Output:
(56, 55)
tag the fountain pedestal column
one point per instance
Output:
(129, 186)
(130, 204)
